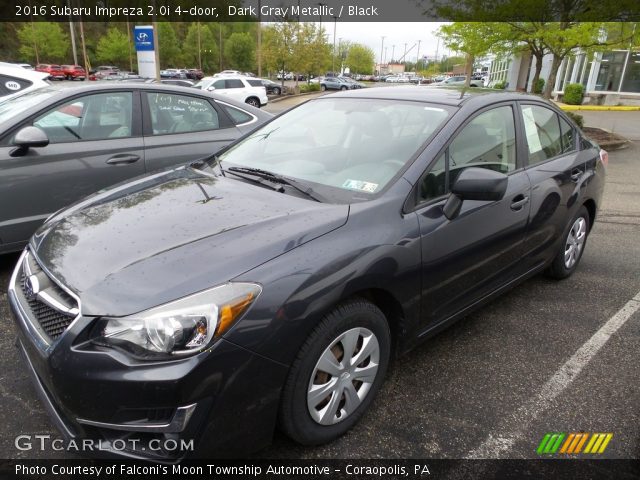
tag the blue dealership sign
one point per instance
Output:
(143, 37)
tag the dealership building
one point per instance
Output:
(609, 77)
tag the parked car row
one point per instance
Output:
(337, 83)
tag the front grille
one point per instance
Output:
(52, 321)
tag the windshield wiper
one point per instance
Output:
(278, 179)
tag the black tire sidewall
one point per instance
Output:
(301, 427)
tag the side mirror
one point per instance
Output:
(475, 184)
(28, 137)
(209, 89)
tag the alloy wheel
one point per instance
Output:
(575, 242)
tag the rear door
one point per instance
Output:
(95, 141)
(181, 128)
(480, 250)
(556, 169)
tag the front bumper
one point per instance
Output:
(224, 399)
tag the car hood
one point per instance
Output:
(159, 238)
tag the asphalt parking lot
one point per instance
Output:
(546, 357)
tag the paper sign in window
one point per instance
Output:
(531, 130)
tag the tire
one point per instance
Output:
(343, 88)
(253, 101)
(572, 247)
(315, 419)
(276, 91)
(323, 87)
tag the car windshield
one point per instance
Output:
(15, 105)
(350, 148)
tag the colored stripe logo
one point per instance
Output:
(573, 443)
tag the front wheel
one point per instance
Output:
(343, 88)
(323, 87)
(253, 101)
(570, 253)
(337, 374)
(276, 91)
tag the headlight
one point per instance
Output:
(181, 327)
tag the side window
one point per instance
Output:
(234, 83)
(239, 117)
(568, 136)
(93, 117)
(219, 84)
(488, 141)
(255, 83)
(542, 130)
(434, 184)
(9, 84)
(172, 113)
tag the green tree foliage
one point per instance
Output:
(473, 39)
(113, 48)
(207, 47)
(360, 59)
(47, 38)
(170, 51)
(278, 46)
(239, 51)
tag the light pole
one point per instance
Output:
(418, 55)
(320, 4)
(393, 53)
(335, 24)
(381, 60)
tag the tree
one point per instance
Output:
(360, 59)
(113, 47)
(473, 39)
(239, 51)
(47, 38)
(168, 45)
(277, 45)
(208, 48)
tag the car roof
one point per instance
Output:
(17, 71)
(433, 94)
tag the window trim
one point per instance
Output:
(524, 140)
(416, 205)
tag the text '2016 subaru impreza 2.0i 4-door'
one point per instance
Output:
(268, 286)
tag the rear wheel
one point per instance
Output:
(253, 101)
(337, 373)
(343, 88)
(323, 87)
(575, 239)
(276, 91)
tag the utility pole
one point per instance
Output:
(393, 53)
(404, 57)
(381, 50)
(335, 24)
(259, 39)
(72, 32)
(418, 55)
(130, 56)
(156, 43)
(199, 47)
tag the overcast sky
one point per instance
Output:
(396, 34)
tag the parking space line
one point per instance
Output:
(514, 427)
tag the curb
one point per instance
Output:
(285, 97)
(601, 108)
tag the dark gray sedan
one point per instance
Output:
(60, 145)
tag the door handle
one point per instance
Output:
(518, 202)
(576, 173)
(122, 159)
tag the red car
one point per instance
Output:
(73, 72)
(54, 71)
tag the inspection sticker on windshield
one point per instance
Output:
(360, 185)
